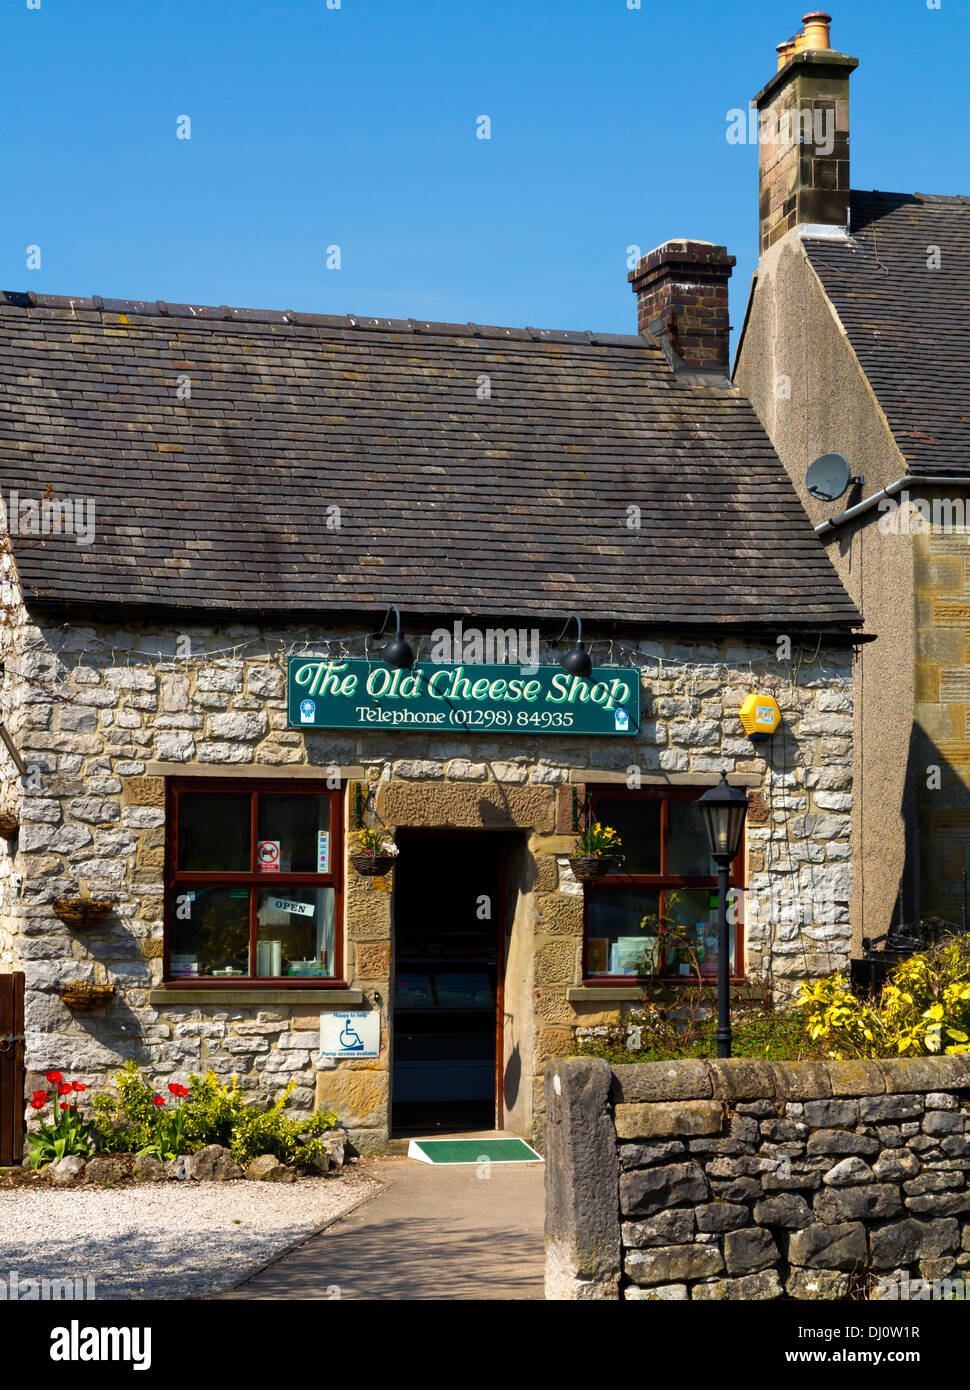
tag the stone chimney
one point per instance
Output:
(682, 296)
(803, 123)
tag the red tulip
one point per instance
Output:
(79, 1085)
(178, 1090)
(54, 1077)
(64, 1089)
(39, 1095)
(159, 1100)
(37, 1104)
(64, 1105)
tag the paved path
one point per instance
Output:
(432, 1233)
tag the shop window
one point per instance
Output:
(254, 886)
(667, 875)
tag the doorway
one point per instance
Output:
(449, 946)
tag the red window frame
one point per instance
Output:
(175, 878)
(662, 882)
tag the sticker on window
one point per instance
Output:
(323, 851)
(268, 857)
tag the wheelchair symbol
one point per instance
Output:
(350, 1040)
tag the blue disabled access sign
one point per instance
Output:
(354, 1034)
(325, 693)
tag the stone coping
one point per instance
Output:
(246, 998)
(743, 1078)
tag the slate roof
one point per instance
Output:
(512, 506)
(909, 325)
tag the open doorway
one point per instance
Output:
(449, 947)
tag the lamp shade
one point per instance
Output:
(397, 652)
(577, 661)
(724, 808)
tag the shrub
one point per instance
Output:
(657, 1034)
(924, 1008)
(207, 1113)
(290, 1139)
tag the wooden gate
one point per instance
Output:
(11, 1068)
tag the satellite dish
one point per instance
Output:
(828, 477)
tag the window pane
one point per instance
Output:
(213, 832)
(637, 822)
(299, 828)
(210, 932)
(619, 942)
(294, 932)
(687, 848)
(693, 919)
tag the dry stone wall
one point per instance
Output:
(702, 1181)
(103, 714)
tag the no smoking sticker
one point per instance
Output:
(268, 857)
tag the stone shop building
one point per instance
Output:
(212, 510)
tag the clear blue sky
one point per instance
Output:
(357, 127)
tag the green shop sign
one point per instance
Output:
(354, 694)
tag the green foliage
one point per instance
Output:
(658, 1034)
(126, 1123)
(211, 1113)
(294, 1141)
(924, 1008)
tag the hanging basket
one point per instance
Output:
(9, 825)
(372, 865)
(84, 997)
(79, 913)
(589, 867)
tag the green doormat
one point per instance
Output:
(472, 1151)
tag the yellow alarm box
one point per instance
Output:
(760, 716)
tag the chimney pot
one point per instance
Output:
(785, 51)
(682, 289)
(816, 34)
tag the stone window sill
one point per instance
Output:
(591, 994)
(244, 998)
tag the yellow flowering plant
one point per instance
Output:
(599, 840)
(924, 1008)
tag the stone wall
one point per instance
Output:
(706, 1180)
(103, 715)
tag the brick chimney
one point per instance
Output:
(803, 123)
(682, 295)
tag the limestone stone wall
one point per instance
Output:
(103, 715)
(740, 1179)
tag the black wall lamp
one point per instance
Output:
(577, 660)
(395, 652)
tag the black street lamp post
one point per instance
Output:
(724, 808)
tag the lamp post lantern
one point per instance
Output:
(724, 808)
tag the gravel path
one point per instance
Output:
(170, 1240)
